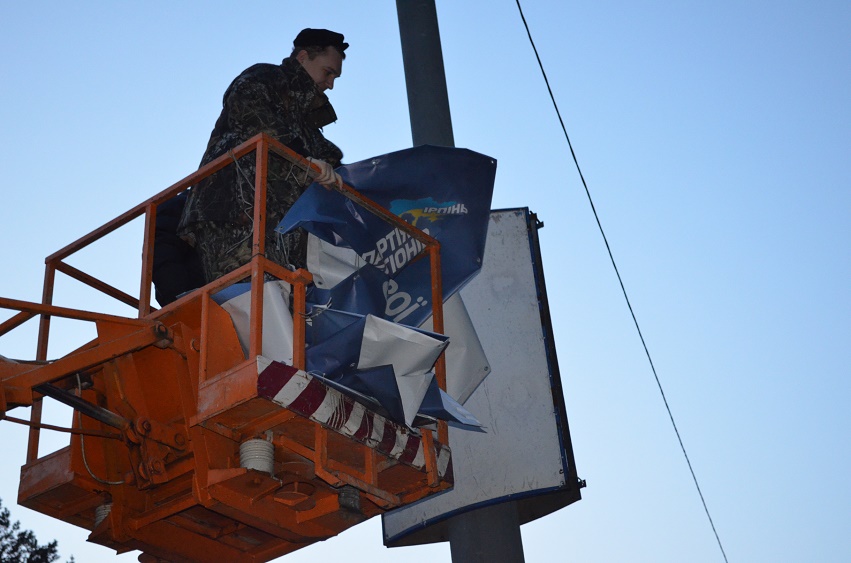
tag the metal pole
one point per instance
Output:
(492, 533)
(428, 101)
(488, 534)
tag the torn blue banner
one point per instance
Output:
(440, 404)
(445, 192)
(388, 362)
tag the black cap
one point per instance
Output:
(320, 38)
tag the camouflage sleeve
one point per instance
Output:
(254, 105)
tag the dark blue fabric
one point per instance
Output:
(331, 216)
(335, 358)
(374, 388)
(444, 191)
(378, 382)
(338, 352)
(435, 404)
(362, 293)
(230, 292)
(323, 325)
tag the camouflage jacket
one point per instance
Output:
(283, 101)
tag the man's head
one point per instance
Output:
(321, 53)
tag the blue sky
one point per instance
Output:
(714, 137)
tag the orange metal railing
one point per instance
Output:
(19, 387)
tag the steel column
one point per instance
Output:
(428, 100)
(491, 533)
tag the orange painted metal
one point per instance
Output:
(41, 355)
(15, 321)
(147, 259)
(97, 284)
(171, 483)
(262, 165)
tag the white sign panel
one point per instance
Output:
(524, 451)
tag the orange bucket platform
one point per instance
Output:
(189, 449)
(171, 483)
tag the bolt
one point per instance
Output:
(143, 426)
(132, 435)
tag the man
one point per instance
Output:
(286, 101)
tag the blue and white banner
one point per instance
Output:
(277, 319)
(376, 359)
(370, 276)
(445, 192)
(385, 366)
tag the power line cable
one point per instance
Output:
(620, 281)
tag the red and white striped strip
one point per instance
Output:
(306, 395)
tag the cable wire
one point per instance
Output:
(620, 281)
(83, 444)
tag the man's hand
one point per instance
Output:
(327, 177)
